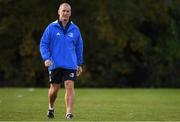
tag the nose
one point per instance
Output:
(65, 12)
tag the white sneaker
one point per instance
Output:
(69, 116)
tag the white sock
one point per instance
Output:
(68, 113)
(51, 108)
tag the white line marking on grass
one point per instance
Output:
(31, 89)
(20, 96)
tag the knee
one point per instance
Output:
(54, 89)
(69, 85)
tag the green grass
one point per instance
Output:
(25, 104)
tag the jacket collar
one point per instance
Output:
(66, 27)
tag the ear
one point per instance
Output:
(58, 11)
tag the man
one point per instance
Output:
(61, 49)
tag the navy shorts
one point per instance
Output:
(60, 75)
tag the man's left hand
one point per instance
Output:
(79, 71)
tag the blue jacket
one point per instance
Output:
(63, 46)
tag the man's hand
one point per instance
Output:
(47, 63)
(79, 70)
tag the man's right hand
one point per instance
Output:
(47, 63)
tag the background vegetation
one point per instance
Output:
(132, 43)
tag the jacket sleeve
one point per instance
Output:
(45, 44)
(79, 49)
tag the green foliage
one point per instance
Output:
(126, 43)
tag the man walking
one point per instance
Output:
(61, 48)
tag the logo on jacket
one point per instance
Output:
(71, 75)
(58, 34)
(70, 35)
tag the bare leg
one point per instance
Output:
(52, 94)
(69, 95)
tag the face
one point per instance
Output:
(64, 12)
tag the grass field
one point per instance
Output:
(30, 104)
